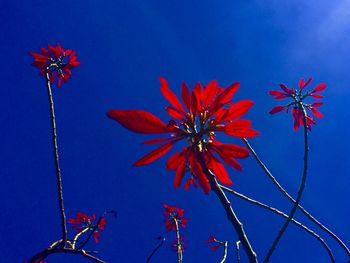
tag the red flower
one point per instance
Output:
(298, 96)
(84, 221)
(55, 61)
(215, 243)
(172, 214)
(204, 112)
(182, 242)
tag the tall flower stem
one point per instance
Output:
(278, 212)
(162, 240)
(288, 196)
(57, 163)
(300, 191)
(238, 226)
(178, 242)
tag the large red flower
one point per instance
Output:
(84, 221)
(55, 61)
(297, 103)
(172, 214)
(203, 113)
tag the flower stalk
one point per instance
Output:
(178, 241)
(300, 191)
(57, 163)
(162, 240)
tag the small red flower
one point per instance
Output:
(215, 243)
(182, 242)
(297, 96)
(56, 61)
(172, 214)
(203, 113)
(84, 221)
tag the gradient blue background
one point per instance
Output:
(124, 46)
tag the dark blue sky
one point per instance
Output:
(124, 46)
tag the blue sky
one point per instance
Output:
(124, 46)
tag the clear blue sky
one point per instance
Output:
(124, 46)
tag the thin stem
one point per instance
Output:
(286, 194)
(237, 251)
(225, 252)
(300, 191)
(178, 242)
(162, 240)
(90, 234)
(238, 226)
(60, 250)
(57, 164)
(78, 235)
(278, 212)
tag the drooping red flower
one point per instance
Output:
(297, 103)
(203, 113)
(182, 242)
(172, 215)
(55, 61)
(84, 221)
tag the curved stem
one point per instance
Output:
(225, 253)
(78, 235)
(57, 163)
(278, 212)
(61, 250)
(237, 251)
(286, 194)
(238, 226)
(300, 191)
(178, 242)
(162, 239)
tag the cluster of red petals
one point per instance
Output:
(204, 112)
(56, 62)
(297, 103)
(182, 242)
(84, 221)
(172, 215)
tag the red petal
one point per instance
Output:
(186, 96)
(226, 95)
(237, 110)
(201, 177)
(210, 90)
(231, 150)
(317, 113)
(277, 109)
(155, 154)
(197, 98)
(285, 89)
(174, 161)
(174, 113)
(96, 237)
(170, 96)
(316, 96)
(320, 87)
(180, 172)
(317, 104)
(138, 121)
(220, 171)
